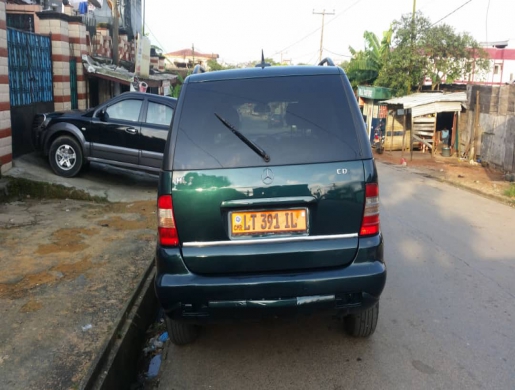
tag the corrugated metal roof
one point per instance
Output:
(419, 99)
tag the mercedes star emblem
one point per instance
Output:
(267, 176)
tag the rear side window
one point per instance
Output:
(159, 114)
(128, 110)
(295, 120)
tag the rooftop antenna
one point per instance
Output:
(263, 63)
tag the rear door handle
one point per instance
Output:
(131, 130)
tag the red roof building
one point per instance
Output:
(187, 58)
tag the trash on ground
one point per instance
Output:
(87, 327)
(153, 368)
(163, 337)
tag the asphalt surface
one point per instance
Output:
(446, 319)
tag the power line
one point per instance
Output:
(449, 14)
(337, 54)
(313, 58)
(307, 54)
(319, 28)
(150, 31)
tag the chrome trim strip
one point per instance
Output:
(267, 201)
(204, 244)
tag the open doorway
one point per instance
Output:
(444, 128)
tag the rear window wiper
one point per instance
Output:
(247, 141)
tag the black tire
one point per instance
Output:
(65, 156)
(380, 150)
(362, 324)
(181, 333)
(85, 166)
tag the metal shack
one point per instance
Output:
(373, 112)
(427, 114)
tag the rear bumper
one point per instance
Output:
(188, 296)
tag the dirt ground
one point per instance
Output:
(461, 173)
(67, 269)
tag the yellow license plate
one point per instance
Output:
(268, 222)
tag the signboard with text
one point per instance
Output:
(143, 57)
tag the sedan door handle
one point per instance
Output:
(131, 130)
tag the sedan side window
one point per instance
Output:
(159, 114)
(126, 110)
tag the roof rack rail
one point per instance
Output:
(327, 61)
(198, 69)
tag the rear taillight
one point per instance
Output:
(166, 222)
(370, 224)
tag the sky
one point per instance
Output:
(237, 30)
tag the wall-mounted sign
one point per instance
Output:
(143, 57)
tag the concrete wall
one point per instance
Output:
(5, 106)
(496, 131)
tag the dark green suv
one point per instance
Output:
(258, 220)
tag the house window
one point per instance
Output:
(22, 22)
(496, 69)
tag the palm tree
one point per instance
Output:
(365, 65)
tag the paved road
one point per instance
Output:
(447, 315)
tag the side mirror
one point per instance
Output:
(103, 116)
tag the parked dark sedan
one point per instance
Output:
(129, 131)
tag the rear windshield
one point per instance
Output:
(295, 120)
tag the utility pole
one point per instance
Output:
(117, 87)
(193, 53)
(323, 13)
(411, 54)
(115, 32)
(143, 17)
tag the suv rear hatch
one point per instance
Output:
(236, 212)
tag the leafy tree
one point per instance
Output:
(175, 91)
(214, 65)
(365, 65)
(421, 50)
(450, 55)
(406, 63)
(268, 61)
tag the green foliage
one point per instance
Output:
(412, 50)
(450, 55)
(214, 65)
(510, 192)
(406, 64)
(268, 61)
(365, 65)
(175, 91)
